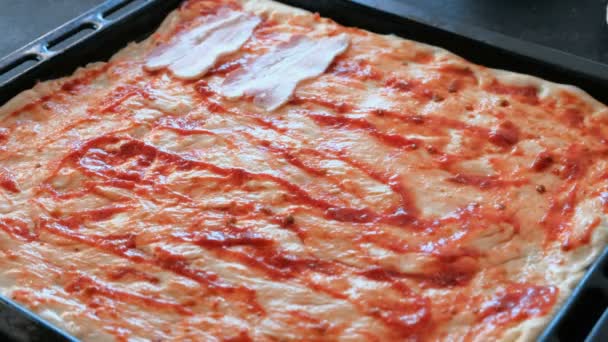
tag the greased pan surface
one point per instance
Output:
(116, 22)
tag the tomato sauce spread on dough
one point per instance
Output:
(394, 192)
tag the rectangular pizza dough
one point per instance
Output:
(305, 181)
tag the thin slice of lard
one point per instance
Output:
(191, 54)
(272, 78)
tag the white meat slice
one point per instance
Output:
(224, 40)
(186, 47)
(272, 78)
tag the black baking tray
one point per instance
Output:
(99, 33)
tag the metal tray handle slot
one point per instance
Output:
(600, 331)
(12, 69)
(66, 37)
(583, 315)
(71, 37)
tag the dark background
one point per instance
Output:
(575, 26)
